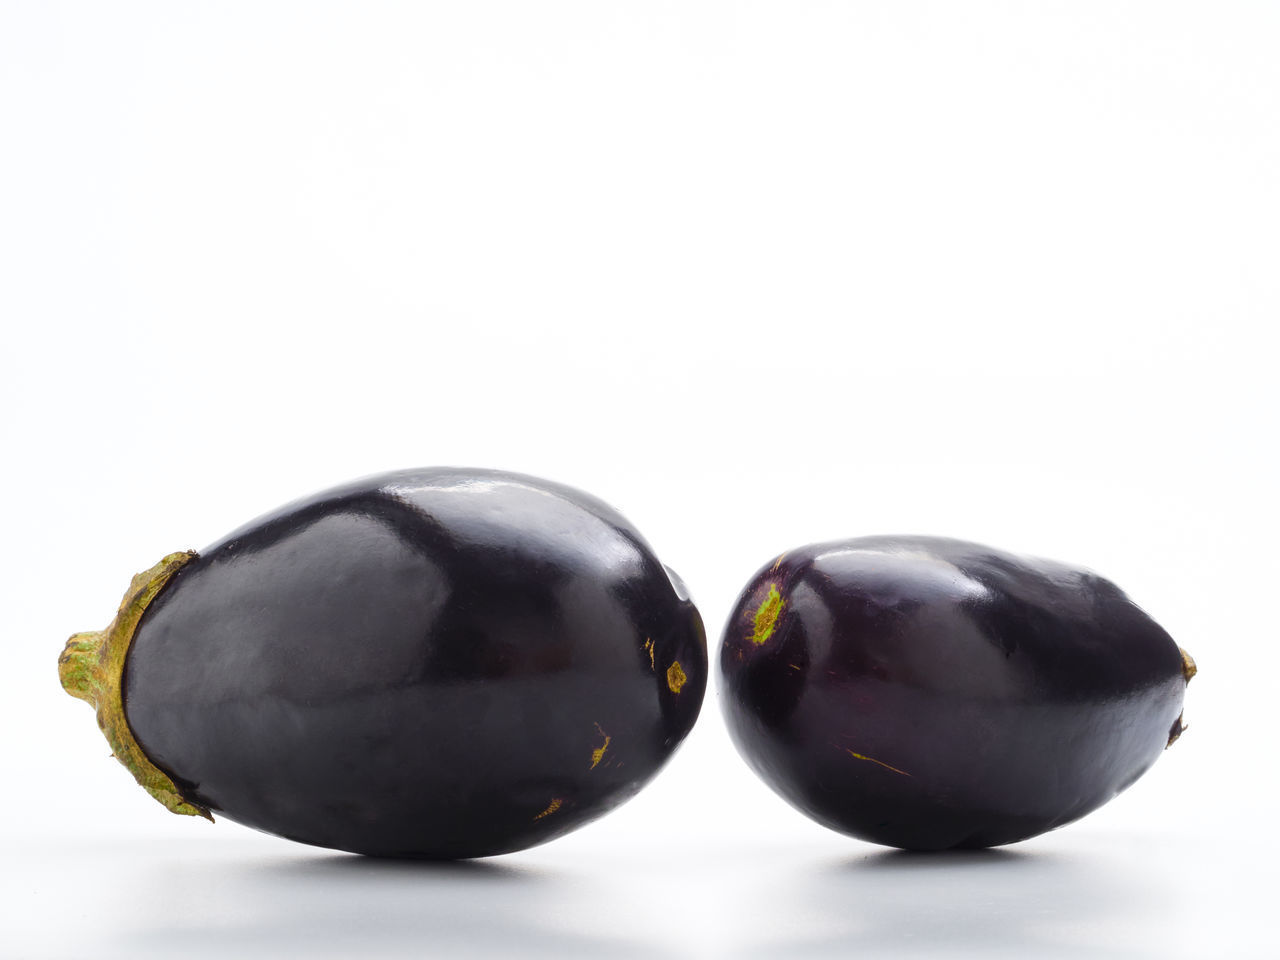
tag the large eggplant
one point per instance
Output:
(435, 663)
(928, 693)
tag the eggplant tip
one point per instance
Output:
(1188, 665)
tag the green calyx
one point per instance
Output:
(766, 616)
(91, 668)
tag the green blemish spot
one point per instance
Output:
(767, 616)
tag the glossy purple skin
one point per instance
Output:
(424, 664)
(928, 693)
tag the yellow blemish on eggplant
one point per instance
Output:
(879, 763)
(648, 645)
(552, 807)
(777, 563)
(794, 667)
(675, 676)
(767, 616)
(598, 753)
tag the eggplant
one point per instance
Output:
(436, 663)
(928, 693)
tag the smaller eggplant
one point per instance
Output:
(436, 663)
(928, 693)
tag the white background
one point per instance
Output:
(757, 273)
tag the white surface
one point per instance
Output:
(1087, 895)
(758, 274)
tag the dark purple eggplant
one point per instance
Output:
(928, 693)
(436, 663)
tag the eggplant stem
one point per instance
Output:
(91, 668)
